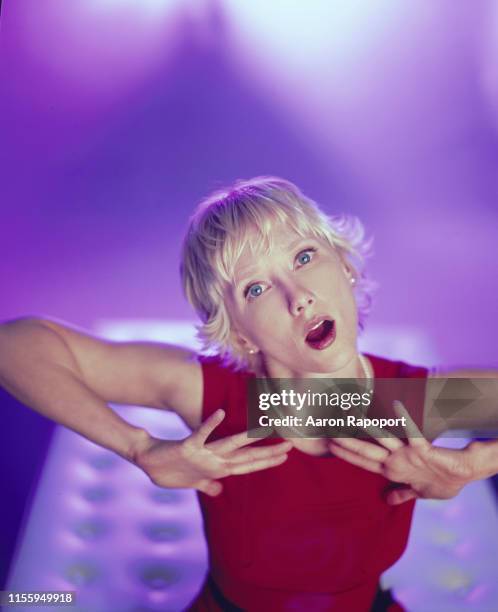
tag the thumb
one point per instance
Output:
(210, 487)
(400, 496)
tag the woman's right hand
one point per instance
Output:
(193, 463)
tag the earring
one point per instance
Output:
(352, 280)
(251, 351)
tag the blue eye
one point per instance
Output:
(305, 256)
(255, 290)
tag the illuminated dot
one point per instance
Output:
(444, 537)
(163, 532)
(91, 530)
(81, 573)
(103, 461)
(167, 496)
(455, 580)
(98, 494)
(434, 504)
(158, 576)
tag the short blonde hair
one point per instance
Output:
(218, 231)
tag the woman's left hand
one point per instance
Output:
(425, 470)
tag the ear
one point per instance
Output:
(243, 344)
(349, 273)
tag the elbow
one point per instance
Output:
(23, 321)
(26, 327)
(28, 322)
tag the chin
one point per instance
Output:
(333, 358)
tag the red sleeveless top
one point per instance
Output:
(311, 534)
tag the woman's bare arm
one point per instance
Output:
(71, 376)
(151, 374)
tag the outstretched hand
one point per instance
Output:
(425, 470)
(193, 463)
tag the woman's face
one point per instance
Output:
(277, 300)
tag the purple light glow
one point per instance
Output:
(118, 119)
(94, 53)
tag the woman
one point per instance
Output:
(280, 293)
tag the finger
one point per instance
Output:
(400, 496)
(254, 454)
(236, 441)
(358, 460)
(202, 433)
(384, 437)
(257, 466)
(369, 450)
(210, 487)
(413, 433)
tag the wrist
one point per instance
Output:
(483, 459)
(139, 442)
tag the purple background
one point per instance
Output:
(116, 117)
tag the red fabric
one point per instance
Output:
(271, 600)
(311, 534)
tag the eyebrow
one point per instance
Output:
(247, 275)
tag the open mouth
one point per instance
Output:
(321, 336)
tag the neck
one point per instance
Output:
(352, 368)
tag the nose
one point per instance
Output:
(300, 299)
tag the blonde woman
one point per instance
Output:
(280, 292)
